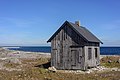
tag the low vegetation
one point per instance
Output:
(11, 65)
(111, 61)
(36, 69)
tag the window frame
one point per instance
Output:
(89, 53)
(96, 52)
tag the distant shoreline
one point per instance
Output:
(47, 49)
(102, 56)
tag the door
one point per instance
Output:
(80, 56)
(74, 57)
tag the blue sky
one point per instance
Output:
(32, 22)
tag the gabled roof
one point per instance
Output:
(82, 31)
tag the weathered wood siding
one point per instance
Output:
(70, 51)
(94, 60)
(65, 54)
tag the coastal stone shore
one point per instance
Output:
(6, 53)
(92, 70)
(12, 56)
(102, 56)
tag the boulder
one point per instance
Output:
(109, 61)
(114, 69)
(52, 69)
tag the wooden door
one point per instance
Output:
(74, 57)
(80, 55)
(77, 58)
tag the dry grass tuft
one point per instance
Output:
(111, 61)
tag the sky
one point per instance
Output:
(32, 22)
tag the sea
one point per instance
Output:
(47, 49)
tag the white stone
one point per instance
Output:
(114, 69)
(53, 69)
(3, 58)
(118, 69)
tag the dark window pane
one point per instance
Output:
(95, 52)
(89, 53)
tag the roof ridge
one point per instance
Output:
(85, 33)
(81, 30)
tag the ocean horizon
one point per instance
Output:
(47, 49)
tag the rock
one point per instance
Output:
(118, 61)
(118, 69)
(52, 69)
(3, 58)
(13, 60)
(79, 71)
(46, 78)
(94, 69)
(88, 72)
(109, 61)
(114, 69)
(3, 52)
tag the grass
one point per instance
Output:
(35, 74)
(33, 69)
(11, 65)
(110, 62)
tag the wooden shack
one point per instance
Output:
(74, 47)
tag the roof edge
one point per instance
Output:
(49, 40)
(70, 24)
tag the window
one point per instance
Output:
(96, 53)
(89, 53)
